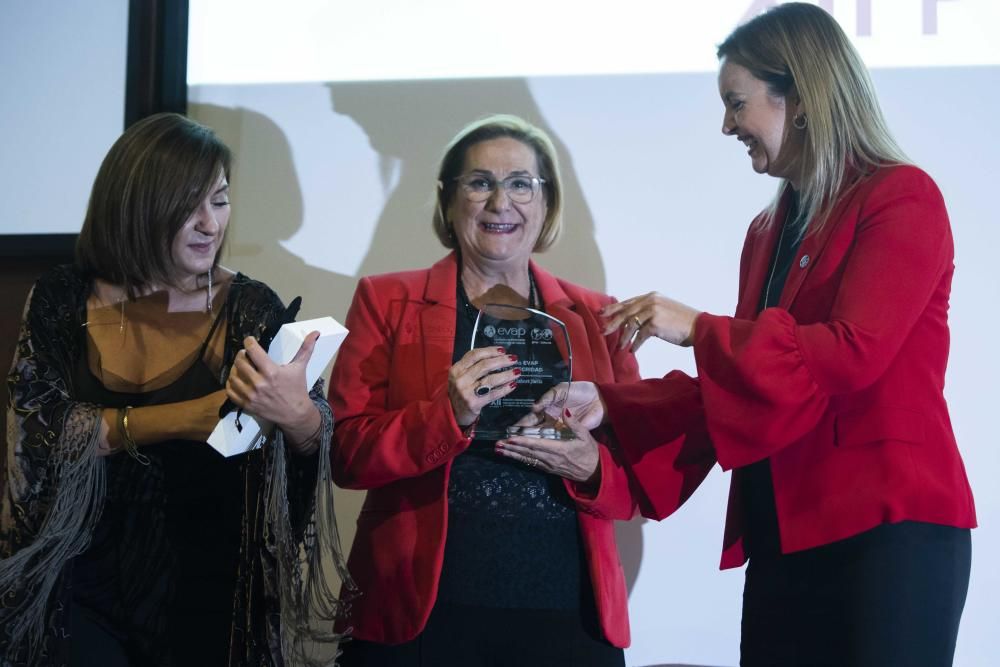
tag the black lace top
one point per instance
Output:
(169, 535)
(513, 539)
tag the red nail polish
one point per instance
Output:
(501, 350)
(513, 385)
(568, 413)
(517, 371)
(512, 357)
(499, 446)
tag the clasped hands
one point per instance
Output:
(575, 406)
(487, 374)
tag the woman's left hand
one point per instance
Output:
(653, 314)
(577, 459)
(276, 393)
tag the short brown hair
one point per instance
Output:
(151, 181)
(495, 127)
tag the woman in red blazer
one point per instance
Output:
(464, 557)
(824, 392)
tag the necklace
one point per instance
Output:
(791, 220)
(472, 312)
(121, 315)
(208, 305)
(774, 265)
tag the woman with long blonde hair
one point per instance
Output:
(823, 393)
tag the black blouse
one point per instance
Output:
(160, 573)
(513, 539)
(760, 513)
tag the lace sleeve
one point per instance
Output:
(308, 602)
(53, 480)
(299, 528)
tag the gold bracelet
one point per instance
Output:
(126, 437)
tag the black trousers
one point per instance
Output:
(464, 636)
(892, 596)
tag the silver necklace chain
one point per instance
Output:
(472, 311)
(774, 264)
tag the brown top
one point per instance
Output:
(140, 346)
(145, 344)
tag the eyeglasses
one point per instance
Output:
(480, 187)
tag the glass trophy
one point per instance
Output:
(545, 358)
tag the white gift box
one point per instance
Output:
(229, 440)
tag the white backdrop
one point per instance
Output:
(62, 105)
(335, 173)
(335, 176)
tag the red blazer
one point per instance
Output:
(841, 385)
(396, 436)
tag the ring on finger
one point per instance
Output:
(533, 462)
(482, 390)
(637, 321)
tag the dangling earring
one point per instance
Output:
(208, 297)
(121, 322)
(800, 122)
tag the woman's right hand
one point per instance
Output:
(477, 369)
(581, 399)
(653, 314)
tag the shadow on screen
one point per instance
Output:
(268, 209)
(408, 123)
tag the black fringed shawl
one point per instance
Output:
(54, 485)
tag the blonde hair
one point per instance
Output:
(798, 48)
(495, 127)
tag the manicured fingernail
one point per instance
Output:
(517, 371)
(513, 385)
(499, 446)
(512, 357)
(568, 413)
(501, 350)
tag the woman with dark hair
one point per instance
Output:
(465, 557)
(824, 392)
(126, 539)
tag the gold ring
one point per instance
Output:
(638, 322)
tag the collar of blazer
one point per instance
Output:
(443, 276)
(437, 324)
(807, 256)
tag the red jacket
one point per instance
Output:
(396, 436)
(841, 385)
